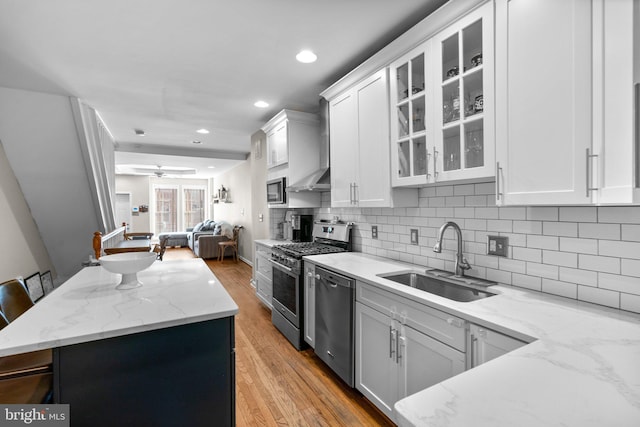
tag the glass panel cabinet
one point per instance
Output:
(465, 81)
(410, 97)
(441, 126)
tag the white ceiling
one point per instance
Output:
(171, 67)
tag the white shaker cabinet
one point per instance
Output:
(277, 149)
(359, 135)
(442, 105)
(566, 128)
(310, 303)
(463, 91)
(262, 274)
(486, 344)
(397, 353)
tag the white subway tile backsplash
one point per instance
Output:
(599, 231)
(475, 201)
(543, 270)
(526, 254)
(444, 190)
(498, 225)
(543, 242)
(581, 246)
(527, 227)
(599, 263)
(529, 282)
(630, 267)
(588, 253)
(538, 213)
(579, 214)
(619, 249)
(563, 289)
(564, 259)
(619, 214)
(513, 213)
(631, 232)
(512, 265)
(567, 229)
(464, 190)
(599, 296)
(487, 188)
(578, 276)
(616, 282)
(630, 302)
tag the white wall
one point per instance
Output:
(23, 251)
(39, 136)
(238, 212)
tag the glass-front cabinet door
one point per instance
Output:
(464, 134)
(411, 100)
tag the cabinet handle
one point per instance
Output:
(498, 173)
(400, 343)
(355, 193)
(589, 171)
(428, 155)
(435, 159)
(392, 341)
(474, 343)
(637, 131)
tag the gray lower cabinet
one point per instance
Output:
(396, 352)
(487, 344)
(262, 274)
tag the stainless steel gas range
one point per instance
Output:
(288, 280)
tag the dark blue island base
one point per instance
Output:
(177, 376)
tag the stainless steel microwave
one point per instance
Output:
(276, 191)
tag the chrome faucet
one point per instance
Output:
(461, 262)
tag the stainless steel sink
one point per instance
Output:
(444, 284)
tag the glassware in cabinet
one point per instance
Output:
(409, 103)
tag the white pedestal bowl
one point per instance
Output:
(128, 264)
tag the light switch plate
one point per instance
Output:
(414, 236)
(497, 245)
(374, 231)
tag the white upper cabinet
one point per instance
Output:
(293, 152)
(464, 96)
(411, 95)
(565, 102)
(359, 135)
(277, 150)
(442, 105)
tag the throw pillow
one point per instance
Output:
(217, 229)
(226, 230)
(198, 227)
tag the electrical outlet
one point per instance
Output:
(497, 245)
(374, 231)
(414, 236)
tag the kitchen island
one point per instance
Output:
(160, 354)
(580, 368)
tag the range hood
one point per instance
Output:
(319, 180)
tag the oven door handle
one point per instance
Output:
(277, 264)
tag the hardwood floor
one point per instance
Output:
(276, 385)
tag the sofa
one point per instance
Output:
(203, 239)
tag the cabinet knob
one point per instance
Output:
(458, 323)
(317, 277)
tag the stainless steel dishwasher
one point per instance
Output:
(334, 322)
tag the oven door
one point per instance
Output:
(286, 293)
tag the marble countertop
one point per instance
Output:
(88, 306)
(581, 368)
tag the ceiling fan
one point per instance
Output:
(161, 171)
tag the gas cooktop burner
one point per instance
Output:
(309, 248)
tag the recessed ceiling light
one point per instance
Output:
(196, 142)
(139, 132)
(306, 57)
(211, 167)
(203, 131)
(261, 104)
